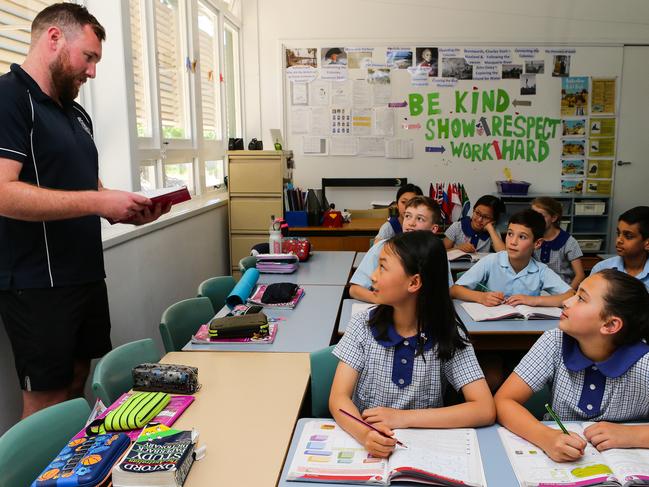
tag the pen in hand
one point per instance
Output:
(369, 426)
(556, 418)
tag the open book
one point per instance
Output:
(480, 312)
(611, 467)
(326, 453)
(455, 255)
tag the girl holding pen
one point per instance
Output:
(597, 364)
(395, 358)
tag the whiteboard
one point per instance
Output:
(442, 97)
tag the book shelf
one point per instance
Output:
(585, 217)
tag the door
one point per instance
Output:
(631, 187)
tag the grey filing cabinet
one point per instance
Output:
(256, 181)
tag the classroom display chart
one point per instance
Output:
(546, 112)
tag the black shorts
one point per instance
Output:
(51, 328)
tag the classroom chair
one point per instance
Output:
(323, 368)
(247, 263)
(182, 319)
(31, 444)
(536, 403)
(216, 289)
(112, 375)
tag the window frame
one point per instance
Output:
(196, 149)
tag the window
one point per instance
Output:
(187, 89)
(232, 80)
(15, 26)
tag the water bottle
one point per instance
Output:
(275, 237)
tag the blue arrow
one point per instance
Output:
(435, 149)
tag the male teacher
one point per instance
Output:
(53, 298)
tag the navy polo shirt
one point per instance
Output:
(55, 146)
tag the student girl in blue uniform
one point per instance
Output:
(559, 250)
(394, 224)
(477, 233)
(597, 365)
(396, 358)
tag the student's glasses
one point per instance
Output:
(481, 216)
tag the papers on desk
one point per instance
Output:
(326, 453)
(480, 312)
(612, 467)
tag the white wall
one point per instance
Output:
(144, 276)
(269, 24)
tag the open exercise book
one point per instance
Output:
(455, 255)
(326, 453)
(532, 467)
(480, 312)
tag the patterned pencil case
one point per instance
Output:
(171, 378)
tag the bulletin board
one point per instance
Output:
(453, 113)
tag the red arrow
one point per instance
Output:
(499, 154)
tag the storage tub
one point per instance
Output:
(588, 245)
(513, 187)
(589, 207)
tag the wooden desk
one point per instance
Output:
(497, 469)
(306, 328)
(355, 235)
(245, 412)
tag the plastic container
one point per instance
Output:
(274, 237)
(513, 187)
(590, 207)
(590, 244)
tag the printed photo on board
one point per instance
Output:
(528, 84)
(512, 71)
(456, 67)
(561, 66)
(359, 59)
(572, 167)
(535, 66)
(574, 128)
(427, 58)
(302, 57)
(334, 56)
(398, 58)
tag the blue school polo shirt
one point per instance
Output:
(362, 275)
(618, 263)
(496, 273)
(55, 146)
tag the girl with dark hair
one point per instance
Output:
(597, 365)
(394, 224)
(396, 358)
(477, 233)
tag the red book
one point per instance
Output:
(164, 196)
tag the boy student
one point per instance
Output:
(513, 276)
(394, 225)
(421, 213)
(632, 245)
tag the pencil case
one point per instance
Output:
(170, 378)
(136, 411)
(242, 326)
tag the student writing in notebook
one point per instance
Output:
(477, 233)
(631, 245)
(513, 276)
(421, 213)
(597, 365)
(394, 225)
(395, 358)
(559, 250)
